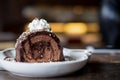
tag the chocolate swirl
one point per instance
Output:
(41, 46)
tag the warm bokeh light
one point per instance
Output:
(77, 10)
(75, 28)
(93, 27)
(26, 27)
(91, 38)
(57, 27)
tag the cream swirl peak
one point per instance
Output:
(37, 24)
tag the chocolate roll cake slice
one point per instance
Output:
(40, 46)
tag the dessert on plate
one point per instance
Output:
(38, 44)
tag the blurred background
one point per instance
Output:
(76, 22)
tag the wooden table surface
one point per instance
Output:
(99, 67)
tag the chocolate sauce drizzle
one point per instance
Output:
(30, 44)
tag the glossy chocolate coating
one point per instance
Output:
(40, 46)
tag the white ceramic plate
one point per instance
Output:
(50, 69)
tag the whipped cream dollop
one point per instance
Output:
(37, 24)
(34, 26)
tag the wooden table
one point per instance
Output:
(100, 67)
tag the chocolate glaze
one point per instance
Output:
(39, 46)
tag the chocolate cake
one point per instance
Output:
(38, 46)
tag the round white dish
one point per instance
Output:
(49, 69)
(1, 58)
